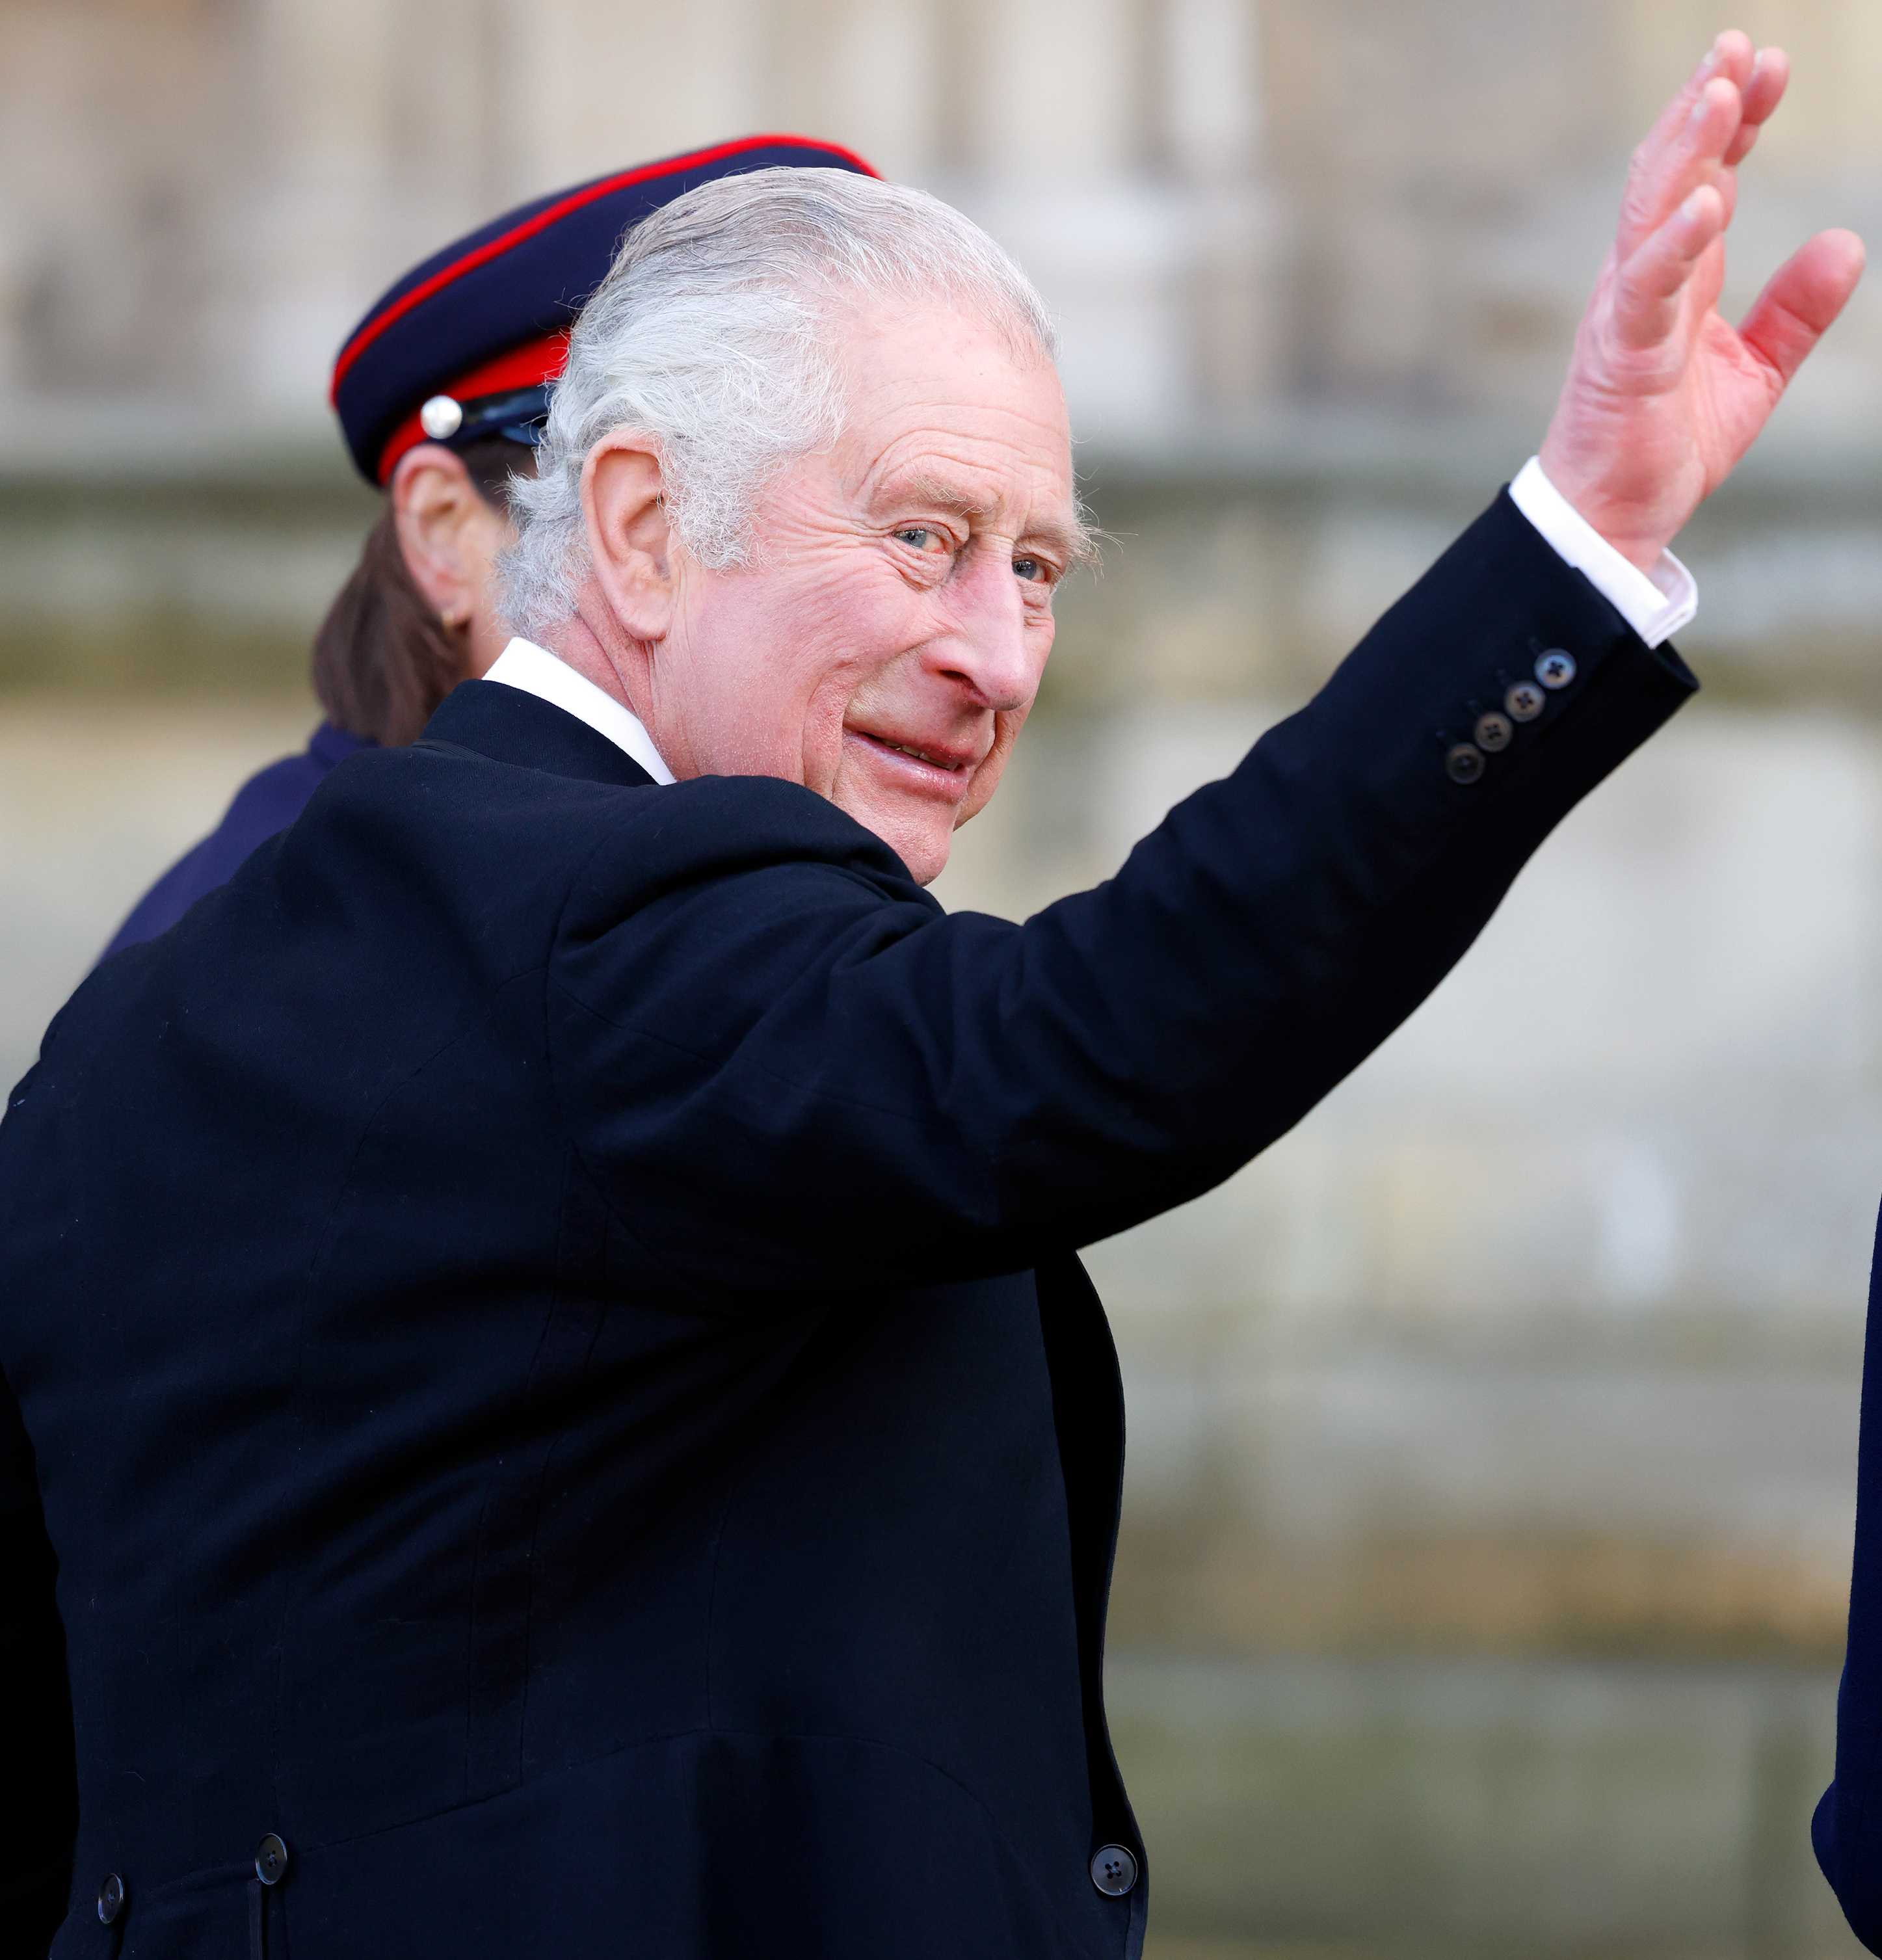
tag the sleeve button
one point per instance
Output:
(1555, 668)
(1493, 732)
(1524, 702)
(1464, 764)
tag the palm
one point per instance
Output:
(1664, 395)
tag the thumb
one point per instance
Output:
(1806, 294)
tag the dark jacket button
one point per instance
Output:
(1464, 764)
(1113, 1870)
(271, 1860)
(1555, 668)
(110, 1898)
(1524, 700)
(1493, 732)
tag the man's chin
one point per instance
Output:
(920, 838)
(924, 851)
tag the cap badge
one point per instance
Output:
(440, 418)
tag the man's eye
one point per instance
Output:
(921, 537)
(1031, 569)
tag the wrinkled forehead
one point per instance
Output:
(954, 405)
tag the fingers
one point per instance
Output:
(1761, 93)
(1692, 156)
(1730, 56)
(1806, 294)
(1663, 172)
(1649, 287)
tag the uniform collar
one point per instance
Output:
(331, 746)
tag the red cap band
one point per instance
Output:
(526, 367)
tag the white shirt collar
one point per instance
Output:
(535, 670)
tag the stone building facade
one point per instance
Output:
(1237, 205)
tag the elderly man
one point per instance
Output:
(567, 1418)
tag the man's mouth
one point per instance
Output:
(956, 764)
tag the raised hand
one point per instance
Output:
(1663, 396)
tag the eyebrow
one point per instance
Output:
(1073, 542)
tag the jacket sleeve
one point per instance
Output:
(787, 1068)
(39, 1794)
(1847, 1829)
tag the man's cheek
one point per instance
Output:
(823, 753)
(986, 780)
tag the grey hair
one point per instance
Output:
(711, 334)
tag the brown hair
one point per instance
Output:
(382, 659)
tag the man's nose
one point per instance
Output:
(989, 648)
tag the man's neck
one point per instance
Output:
(574, 645)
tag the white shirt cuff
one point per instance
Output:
(1656, 604)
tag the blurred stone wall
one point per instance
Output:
(1236, 203)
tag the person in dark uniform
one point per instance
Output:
(550, 1404)
(441, 403)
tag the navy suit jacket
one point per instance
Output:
(546, 1361)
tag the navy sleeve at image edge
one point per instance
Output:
(1844, 1830)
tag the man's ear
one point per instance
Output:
(630, 543)
(439, 515)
